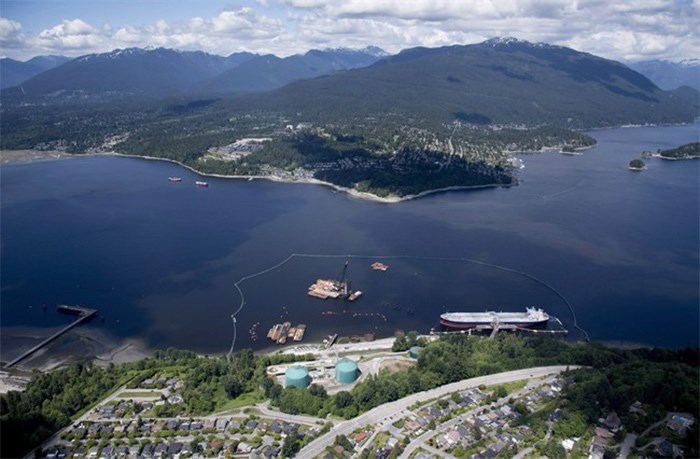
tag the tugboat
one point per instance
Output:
(202, 184)
(175, 179)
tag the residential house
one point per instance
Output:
(636, 408)
(680, 422)
(568, 444)
(412, 426)
(171, 424)
(612, 422)
(666, 449)
(160, 449)
(360, 436)
(275, 427)
(174, 448)
(221, 424)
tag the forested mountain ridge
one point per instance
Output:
(14, 72)
(670, 75)
(264, 73)
(160, 72)
(500, 81)
(154, 72)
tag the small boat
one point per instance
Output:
(202, 184)
(175, 179)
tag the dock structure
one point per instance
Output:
(280, 333)
(331, 340)
(84, 314)
(494, 327)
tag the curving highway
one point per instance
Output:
(383, 415)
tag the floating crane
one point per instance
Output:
(344, 279)
(327, 288)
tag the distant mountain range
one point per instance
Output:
(500, 81)
(13, 72)
(264, 73)
(670, 75)
(163, 72)
(157, 72)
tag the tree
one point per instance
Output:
(291, 445)
(343, 399)
(343, 441)
(266, 384)
(317, 391)
(637, 164)
(233, 387)
(275, 391)
(501, 392)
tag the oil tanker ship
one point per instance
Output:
(463, 320)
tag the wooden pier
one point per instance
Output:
(84, 314)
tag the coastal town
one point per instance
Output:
(514, 414)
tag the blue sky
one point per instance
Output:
(625, 30)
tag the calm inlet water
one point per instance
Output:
(160, 259)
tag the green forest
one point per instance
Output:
(687, 151)
(662, 379)
(383, 155)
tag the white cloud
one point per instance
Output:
(70, 35)
(618, 30)
(306, 3)
(11, 34)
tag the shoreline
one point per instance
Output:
(636, 126)
(58, 155)
(80, 343)
(273, 178)
(9, 157)
(668, 158)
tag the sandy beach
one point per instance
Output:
(30, 156)
(79, 344)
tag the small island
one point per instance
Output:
(637, 165)
(687, 151)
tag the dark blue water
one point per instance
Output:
(160, 259)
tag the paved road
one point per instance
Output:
(297, 418)
(384, 413)
(89, 414)
(627, 445)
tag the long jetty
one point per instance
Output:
(84, 314)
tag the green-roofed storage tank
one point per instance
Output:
(297, 376)
(346, 371)
(415, 351)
